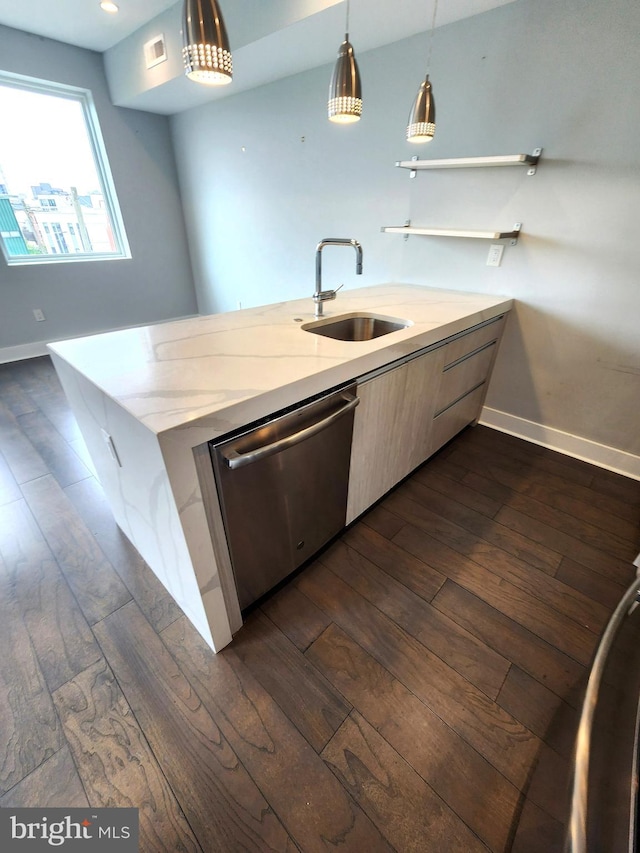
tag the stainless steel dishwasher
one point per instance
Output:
(282, 486)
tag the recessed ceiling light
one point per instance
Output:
(108, 7)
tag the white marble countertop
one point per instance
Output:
(224, 370)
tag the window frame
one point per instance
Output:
(103, 171)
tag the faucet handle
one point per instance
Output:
(331, 294)
(325, 295)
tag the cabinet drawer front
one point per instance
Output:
(464, 376)
(472, 341)
(456, 417)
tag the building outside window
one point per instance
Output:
(57, 199)
(57, 233)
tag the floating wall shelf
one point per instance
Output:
(530, 160)
(451, 232)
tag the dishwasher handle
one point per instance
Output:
(234, 459)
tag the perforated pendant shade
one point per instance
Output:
(422, 120)
(345, 90)
(206, 54)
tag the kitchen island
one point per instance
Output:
(149, 399)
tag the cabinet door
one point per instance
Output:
(464, 376)
(391, 429)
(449, 422)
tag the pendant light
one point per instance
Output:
(345, 91)
(206, 54)
(421, 126)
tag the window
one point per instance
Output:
(57, 199)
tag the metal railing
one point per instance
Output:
(577, 839)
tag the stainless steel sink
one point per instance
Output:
(356, 327)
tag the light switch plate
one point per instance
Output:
(494, 258)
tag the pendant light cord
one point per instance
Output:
(433, 26)
(347, 23)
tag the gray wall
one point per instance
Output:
(80, 298)
(264, 176)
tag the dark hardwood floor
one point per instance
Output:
(414, 689)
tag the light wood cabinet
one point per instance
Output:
(467, 364)
(463, 376)
(391, 428)
(408, 412)
(455, 418)
(469, 342)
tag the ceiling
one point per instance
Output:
(80, 22)
(270, 39)
(83, 23)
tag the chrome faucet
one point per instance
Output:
(321, 295)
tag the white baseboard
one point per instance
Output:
(571, 445)
(23, 351)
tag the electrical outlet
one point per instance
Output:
(495, 255)
(38, 313)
